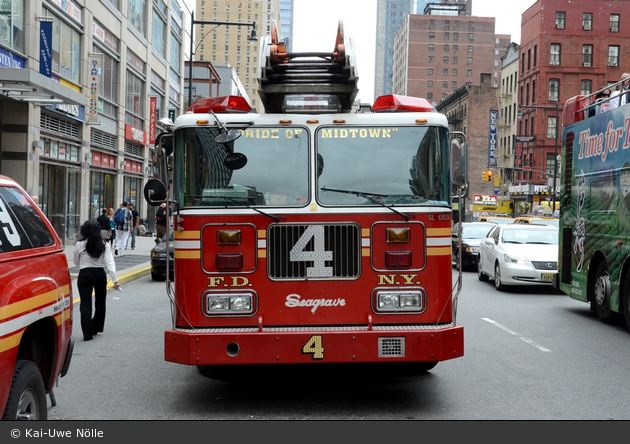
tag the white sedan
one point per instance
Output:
(518, 254)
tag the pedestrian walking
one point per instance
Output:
(94, 258)
(122, 220)
(112, 226)
(160, 220)
(104, 221)
(135, 220)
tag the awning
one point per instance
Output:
(30, 86)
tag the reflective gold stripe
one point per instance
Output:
(365, 232)
(436, 232)
(365, 252)
(34, 302)
(11, 341)
(182, 235)
(262, 234)
(187, 254)
(439, 251)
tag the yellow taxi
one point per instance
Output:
(553, 221)
(496, 219)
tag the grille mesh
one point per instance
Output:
(343, 240)
(542, 265)
(391, 347)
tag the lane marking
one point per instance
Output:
(512, 332)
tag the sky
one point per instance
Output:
(315, 26)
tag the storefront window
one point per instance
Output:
(134, 101)
(12, 24)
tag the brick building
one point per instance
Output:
(462, 109)
(435, 55)
(567, 48)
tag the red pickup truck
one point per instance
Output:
(35, 306)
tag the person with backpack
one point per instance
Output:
(122, 220)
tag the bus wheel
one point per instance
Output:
(601, 294)
(625, 299)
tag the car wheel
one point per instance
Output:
(27, 395)
(497, 278)
(480, 275)
(601, 294)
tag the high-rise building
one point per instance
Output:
(434, 55)
(390, 15)
(228, 44)
(286, 23)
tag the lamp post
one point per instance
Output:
(252, 38)
(555, 158)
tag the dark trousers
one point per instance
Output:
(92, 279)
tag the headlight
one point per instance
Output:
(515, 260)
(237, 303)
(394, 301)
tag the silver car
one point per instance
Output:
(519, 254)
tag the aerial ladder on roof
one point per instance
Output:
(306, 73)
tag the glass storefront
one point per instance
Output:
(59, 198)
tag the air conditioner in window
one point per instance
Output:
(560, 25)
(587, 64)
(586, 27)
(614, 28)
(554, 62)
(613, 64)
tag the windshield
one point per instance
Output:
(276, 172)
(382, 165)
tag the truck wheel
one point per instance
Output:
(601, 294)
(27, 396)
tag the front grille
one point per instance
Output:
(542, 265)
(323, 252)
(391, 347)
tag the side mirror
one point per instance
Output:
(154, 192)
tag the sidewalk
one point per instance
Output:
(135, 264)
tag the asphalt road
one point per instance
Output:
(530, 354)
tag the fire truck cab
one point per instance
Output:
(314, 232)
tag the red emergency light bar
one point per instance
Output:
(223, 104)
(392, 102)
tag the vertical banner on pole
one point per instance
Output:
(95, 63)
(152, 119)
(45, 48)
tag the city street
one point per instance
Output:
(530, 354)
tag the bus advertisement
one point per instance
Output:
(594, 241)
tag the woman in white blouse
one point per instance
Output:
(93, 256)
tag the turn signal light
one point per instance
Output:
(398, 235)
(228, 237)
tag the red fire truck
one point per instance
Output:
(314, 232)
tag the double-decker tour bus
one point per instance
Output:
(312, 232)
(594, 245)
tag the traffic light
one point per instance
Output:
(489, 172)
(484, 176)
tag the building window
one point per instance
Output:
(136, 15)
(430, 84)
(445, 60)
(455, 36)
(446, 36)
(469, 61)
(454, 60)
(431, 47)
(454, 73)
(66, 49)
(470, 49)
(560, 18)
(430, 71)
(158, 34)
(587, 21)
(586, 87)
(587, 55)
(554, 89)
(469, 73)
(551, 127)
(533, 91)
(429, 96)
(535, 55)
(445, 72)
(445, 84)
(108, 95)
(431, 35)
(430, 59)
(454, 85)
(554, 54)
(613, 56)
(455, 48)
(614, 22)
(471, 37)
(445, 48)
(12, 24)
(175, 58)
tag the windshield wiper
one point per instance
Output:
(237, 201)
(371, 197)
